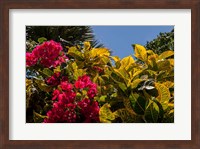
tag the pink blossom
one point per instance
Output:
(66, 86)
(79, 84)
(31, 59)
(47, 52)
(55, 94)
(53, 80)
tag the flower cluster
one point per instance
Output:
(85, 82)
(66, 108)
(48, 54)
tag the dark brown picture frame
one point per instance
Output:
(6, 5)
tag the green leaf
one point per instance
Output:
(152, 62)
(57, 69)
(77, 73)
(165, 55)
(43, 86)
(73, 51)
(138, 103)
(125, 116)
(163, 65)
(47, 72)
(105, 114)
(152, 113)
(163, 94)
(38, 118)
(140, 52)
(123, 87)
(135, 83)
(127, 105)
(41, 40)
(136, 73)
(102, 98)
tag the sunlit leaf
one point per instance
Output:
(95, 52)
(41, 40)
(115, 58)
(126, 62)
(105, 114)
(171, 61)
(140, 52)
(163, 94)
(165, 55)
(135, 83)
(57, 69)
(74, 52)
(169, 84)
(47, 72)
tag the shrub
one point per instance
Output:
(87, 84)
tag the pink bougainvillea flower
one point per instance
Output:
(31, 59)
(89, 110)
(82, 82)
(92, 92)
(55, 94)
(62, 98)
(67, 109)
(48, 52)
(53, 80)
(66, 86)
(79, 84)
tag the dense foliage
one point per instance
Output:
(87, 84)
(163, 42)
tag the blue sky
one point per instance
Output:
(120, 38)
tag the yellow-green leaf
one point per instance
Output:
(163, 65)
(152, 61)
(169, 84)
(99, 52)
(57, 69)
(115, 58)
(87, 45)
(105, 114)
(152, 113)
(140, 52)
(171, 61)
(47, 72)
(165, 55)
(163, 94)
(135, 83)
(122, 74)
(73, 51)
(126, 62)
(125, 115)
(44, 87)
(150, 52)
(136, 73)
